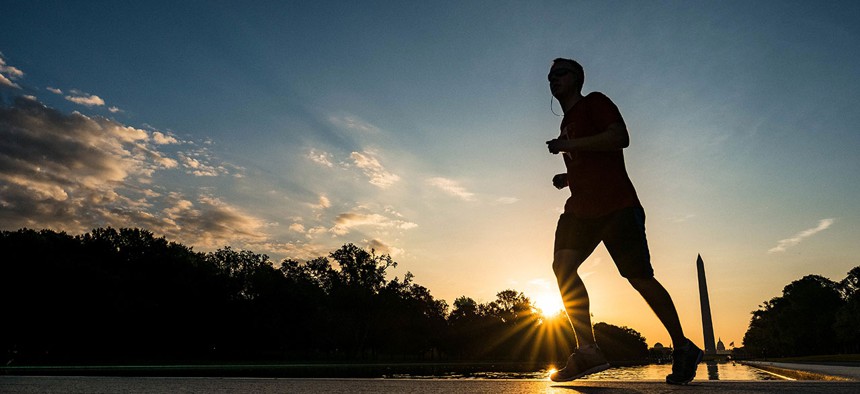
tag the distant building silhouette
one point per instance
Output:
(721, 348)
(660, 354)
(707, 323)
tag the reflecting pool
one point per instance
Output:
(710, 370)
(707, 370)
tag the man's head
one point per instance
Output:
(566, 77)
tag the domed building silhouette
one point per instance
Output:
(721, 348)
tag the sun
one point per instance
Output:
(549, 303)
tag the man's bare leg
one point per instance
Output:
(661, 303)
(588, 358)
(574, 294)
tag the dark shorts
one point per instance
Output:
(622, 232)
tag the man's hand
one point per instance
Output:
(554, 146)
(560, 181)
(615, 137)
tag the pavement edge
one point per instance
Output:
(796, 374)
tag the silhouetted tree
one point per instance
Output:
(620, 343)
(847, 324)
(124, 295)
(466, 326)
(307, 332)
(511, 326)
(762, 338)
(798, 323)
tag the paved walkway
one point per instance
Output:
(831, 379)
(810, 371)
(77, 384)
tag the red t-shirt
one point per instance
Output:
(598, 181)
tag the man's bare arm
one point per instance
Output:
(615, 137)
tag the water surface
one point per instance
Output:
(655, 372)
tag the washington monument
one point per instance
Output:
(707, 323)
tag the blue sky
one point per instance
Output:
(419, 129)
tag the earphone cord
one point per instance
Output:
(550, 107)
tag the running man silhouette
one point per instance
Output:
(603, 206)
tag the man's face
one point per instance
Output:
(562, 79)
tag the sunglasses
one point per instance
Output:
(558, 73)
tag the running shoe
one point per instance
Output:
(583, 361)
(685, 360)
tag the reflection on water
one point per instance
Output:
(710, 370)
(713, 371)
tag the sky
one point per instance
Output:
(418, 129)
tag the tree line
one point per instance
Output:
(124, 295)
(814, 315)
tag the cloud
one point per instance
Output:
(72, 172)
(321, 158)
(784, 244)
(201, 162)
(58, 170)
(8, 74)
(86, 99)
(382, 248)
(114, 110)
(682, 218)
(54, 90)
(317, 231)
(210, 223)
(294, 249)
(44, 145)
(353, 123)
(7, 82)
(452, 188)
(323, 202)
(507, 200)
(163, 139)
(297, 227)
(373, 169)
(347, 221)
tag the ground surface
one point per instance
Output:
(62, 384)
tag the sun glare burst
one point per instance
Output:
(550, 304)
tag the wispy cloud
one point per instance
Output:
(682, 218)
(353, 123)
(452, 187)
(7, 82)
(9, 73)
(347, 221)
(211, 223)
(321, 158)
(203, 163)
(89, 100)
(54, 90)
(507, 200)
(371, 167)
(381, 247)
(293, 249)
(784, 244)
(322, 203)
